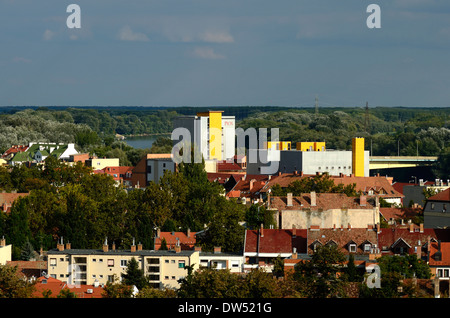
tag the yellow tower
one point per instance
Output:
(215, 133)
(358, 157)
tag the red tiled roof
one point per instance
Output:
(399, 213)
(325, 201)
(176, 237)
(29, 268)
(342, 237)
(7, 199)
(55, 286)
(445, 258)
(441, 196)
(388, 236)
(363, 184)
(15, 149)
(275, 241)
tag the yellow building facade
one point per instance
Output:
(311, 146)
(358, 157)
(279, 145)
(215, 133)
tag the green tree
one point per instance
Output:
(318, 277)
(134, 276)
(12, 285)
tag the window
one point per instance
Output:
(110, 263)
(180, 264)
(367, 247)
(61, 259)
(123, 263)
(149, 169)
(352, 247)
(52, 261)
(432, 206)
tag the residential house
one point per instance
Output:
(151, 168)
(325, 210)
(221, 260)
(7, 200)
(248, 188)
(262, 246)
(185, 240)
(36, 153)
(100, 163)
(9, 153)
(371, 187)
(439, 259)
(349, 240)
(29, 269)
(121, 174)
(436, 211)
(409, 239)
(90, 266)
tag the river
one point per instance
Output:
(141, 142)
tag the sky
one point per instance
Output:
(225, 53)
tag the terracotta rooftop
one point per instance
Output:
(388, 236)
(172, 238)
(7, 199)
(376, 184)
(275, 241)
(325, 201)
(342, 237)
(441, 196)
(445, 250)
(55, 286)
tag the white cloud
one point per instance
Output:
(207, 53)
(127, 34)
(48, 35)
(217, 37)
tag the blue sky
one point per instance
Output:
(225, 53)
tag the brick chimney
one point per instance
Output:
(197, 248)
(251, 184)
(362, 200)
(421, 227)
(261, 230)
(3, 242)
(313, 198)
(188, 232)
(105, 246)
(289, 199)
(113, 247)
(294, 231)
(133, 247)
(139, 247)
(60, 245)
(177, 247)
(68, 246)
(294, 253)
(217, 249)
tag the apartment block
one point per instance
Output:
(99, 266)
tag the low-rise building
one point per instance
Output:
(262, 246)
(5, 252)
(151, 168)
(436, 211)
(88, 266)
(324, 210)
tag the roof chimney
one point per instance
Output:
(217, 249)
(188, 232)
(139, 247)
(294, 231)
(313, 198)
(362, 200)
(133, 246)
(60, 245)
(261, 230)
(105, 245)
(411, 227)
(3, 242)
(68, 246)
(289, 199)
(421, 227)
